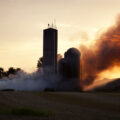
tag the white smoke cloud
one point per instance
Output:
(28, 82)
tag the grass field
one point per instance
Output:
(59, 106)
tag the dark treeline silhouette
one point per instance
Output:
(10, 71)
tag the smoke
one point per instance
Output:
(103, 55)
(29, 82)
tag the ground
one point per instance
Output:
(59, 105)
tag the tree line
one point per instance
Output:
(10, 71)
(13, 71)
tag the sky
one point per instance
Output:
(22, 23)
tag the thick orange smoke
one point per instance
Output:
(103, 55)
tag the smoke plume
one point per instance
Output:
(28, 82)
(103, 55)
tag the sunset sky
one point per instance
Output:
(22, 23)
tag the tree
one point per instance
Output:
(40, 62)
(11, 70)
(1, 72)
(18, 69)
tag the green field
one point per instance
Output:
(59, 106)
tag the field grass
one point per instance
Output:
(59, 105)
(27, 112)
(84, 101)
